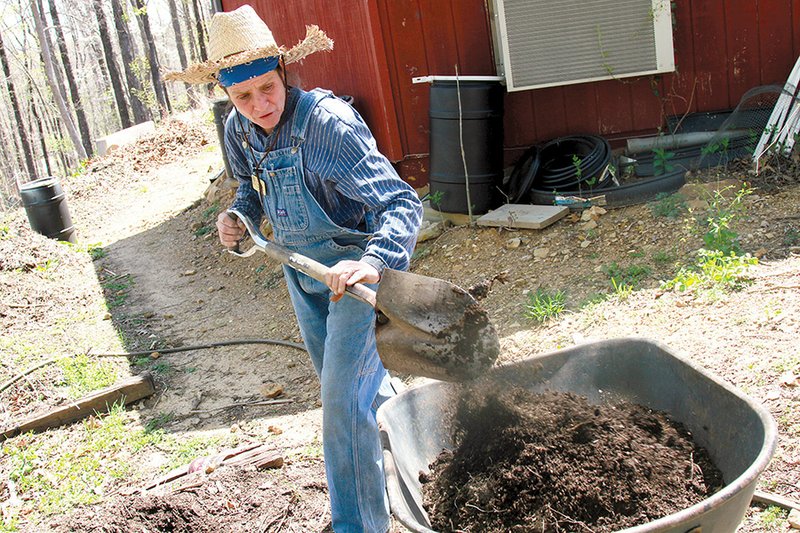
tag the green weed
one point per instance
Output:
(158, 422)
(630, 276)
(83, 374)
(621, 290)
(722, 213)
(5, 232)
(712, 272)
(117, 290)
(772, 516)
(543, 305)
(663, 257)
(661, 161)
(668, 205)
(792, 237)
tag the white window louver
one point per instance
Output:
(546, 43)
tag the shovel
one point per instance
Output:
(425, 326)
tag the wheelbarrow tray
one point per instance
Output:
(738, 433)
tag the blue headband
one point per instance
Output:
(247, 71)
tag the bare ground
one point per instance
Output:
(149, 212)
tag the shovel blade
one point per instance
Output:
(434, 329)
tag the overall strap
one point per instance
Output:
(302, 113)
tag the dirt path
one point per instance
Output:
(156, 229)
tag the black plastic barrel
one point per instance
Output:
(221, 107)
(46, 206)
(481, 128)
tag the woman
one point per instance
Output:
(309, 162)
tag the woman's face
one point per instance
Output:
(260, 99)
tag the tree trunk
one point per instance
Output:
(180, 45)
(152, 55)
(140, 113)
(51, 77)
(38, 121)
(83, 125)
(117, 85)
(201, 34)
(23, 134)
(187, 19)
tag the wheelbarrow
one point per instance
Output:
(425, 326)
(738, 433)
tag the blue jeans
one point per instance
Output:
(340, 337)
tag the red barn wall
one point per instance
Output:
(722, 49)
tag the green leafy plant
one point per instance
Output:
(661, 161)
(630, 276)
(543, 305)
(712, 272)
(667, 205)
(722, 213)
(436, 199)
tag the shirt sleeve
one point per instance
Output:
(360, 172)
(246, 200)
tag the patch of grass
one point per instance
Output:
(83, 374)
(790, 238)
(158, 422)
(543, 305)
(662, 257)
(772, 516)
(713, 273)
(161, 367)
(668, 205)
(5, 232)
(59, 475)
(96, 251)
(184, 451)
(117, 290)
(622, 291)
(631, 275)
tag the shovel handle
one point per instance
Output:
(297, 261)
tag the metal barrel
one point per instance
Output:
(477, 120)
(46, 206)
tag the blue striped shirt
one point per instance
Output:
(351, 180)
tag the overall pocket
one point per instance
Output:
(285, 203)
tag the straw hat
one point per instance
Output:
(240, 36)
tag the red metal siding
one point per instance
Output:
(722, 49)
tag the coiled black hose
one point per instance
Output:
(574, 162)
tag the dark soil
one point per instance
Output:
(553, 462)
(230, 499)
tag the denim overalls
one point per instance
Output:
(340, 337)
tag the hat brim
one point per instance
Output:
(315, 41)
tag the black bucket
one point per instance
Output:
(221, 107)
(481, 128)
(46, 206)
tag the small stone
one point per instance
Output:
(541, 253)
(275, 430)
(513, 243)
(586, 244)
(155, 355)
(235, 428)
(149, 314)
(107, 316)
(794, 519)
(271, 390)
(761, 252)
(191, 272)
(770, 235)
(592, 224)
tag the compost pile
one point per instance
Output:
(552, 461)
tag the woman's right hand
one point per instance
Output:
(230, 229)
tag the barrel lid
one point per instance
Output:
(39, 183)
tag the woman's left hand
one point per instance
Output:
(346, 273)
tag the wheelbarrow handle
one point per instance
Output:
(299, 262)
